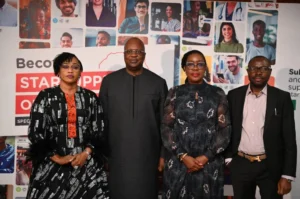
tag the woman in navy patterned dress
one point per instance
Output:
(66, 134)
(195, 131)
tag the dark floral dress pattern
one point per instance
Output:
(196, 122)
(48, 133)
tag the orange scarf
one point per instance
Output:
(71, 116)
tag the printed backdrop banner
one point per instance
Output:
(33, 32)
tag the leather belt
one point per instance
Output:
(252, 158)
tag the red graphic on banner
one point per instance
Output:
(34, 82)
(23, 103)
(114, 53)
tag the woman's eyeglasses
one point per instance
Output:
(199, 65)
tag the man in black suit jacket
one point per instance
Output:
(263, 150)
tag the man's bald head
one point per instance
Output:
(134, 40)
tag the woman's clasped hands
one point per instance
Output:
(194, 164)
(77, 160)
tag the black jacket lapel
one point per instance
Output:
(271, 104)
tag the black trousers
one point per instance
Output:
(246, 175)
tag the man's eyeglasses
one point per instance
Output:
(137, 52)
(141, 7)
(191, 65)
(262, 69)
(66, 67)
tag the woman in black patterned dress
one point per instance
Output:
(195, 131)
(66, 134)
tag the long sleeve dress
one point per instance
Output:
(196, 122)
(48, 133)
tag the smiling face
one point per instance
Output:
(67, 8)
(169, 12)
(66, 42)
(195, 6)
(69, 71)
(227, 32)
(39, 19)
(258, 32)
(232, 63)
(102, 40)
(195, 74)
(141, 9)
(259, 78)
(134, 60)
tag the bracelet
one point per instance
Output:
(182, 157)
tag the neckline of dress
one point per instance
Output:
(197, 86)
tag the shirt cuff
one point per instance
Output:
(288, 177)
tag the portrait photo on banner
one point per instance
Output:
(230, 11)
(229, 37)
(33, 45)
(135, 19)
(197, 23)
(169, 39)
(9, 13)
(35, 19)
(7, 154)
(123, 39)
(66, 8)
(166, 17)
(165, 39)
(67, 38)
(263, 5)
(23, 167)
(100, 37)
(228, 69)
(101, 13)
(262, 34)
